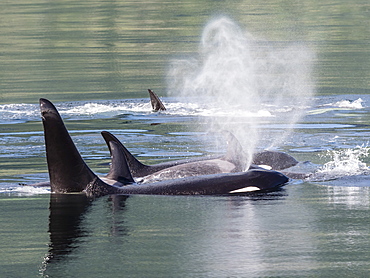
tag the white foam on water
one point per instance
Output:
(110, 108)
(356, 104)
(347, 162)
(18, 113)
(350, 104)
(24, 190)
(21, 113)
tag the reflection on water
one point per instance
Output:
(68, 229)
(258, 236)
(66, 215)
(96, 60)
(117, 206)
(352, 197)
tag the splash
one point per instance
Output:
(246, 77)
(356, 104)
(347, 162)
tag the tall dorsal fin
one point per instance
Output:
(68, 172)
(235, 153)
(119, 170)
(156, 102)
(135, 165)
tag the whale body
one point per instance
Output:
(68, 172)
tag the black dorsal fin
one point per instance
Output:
(68, 172)
(135, 165)
(157, 104)
(119, 170)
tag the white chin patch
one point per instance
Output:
(267, 167)
(245, 189)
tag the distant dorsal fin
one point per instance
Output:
(135, 165)
(157, 104)
(235, 153)
(119, 170)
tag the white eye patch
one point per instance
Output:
(267, 167)
(245, 189)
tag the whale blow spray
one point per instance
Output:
(248, 81)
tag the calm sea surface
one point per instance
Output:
(290, 76)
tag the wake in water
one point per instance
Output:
(242, 74)
(355, 104)
(23, 190)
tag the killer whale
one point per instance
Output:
(68, 172)
(215, 184)
(274, 159)
(156, 103)
(232, 161)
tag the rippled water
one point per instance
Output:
(95, 60)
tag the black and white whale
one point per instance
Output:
(233, 161)
(68, 172)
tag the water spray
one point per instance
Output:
(248, 80)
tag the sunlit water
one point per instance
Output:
(96, 60)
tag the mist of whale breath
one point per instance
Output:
(248, 81)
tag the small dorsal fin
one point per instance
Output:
(157, 104)
(135, 165)
(235, 153)
(119, 170)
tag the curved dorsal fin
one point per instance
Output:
(235, 153)
(156, 102)
(68, 172)
(135, 165)
(119, 170)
